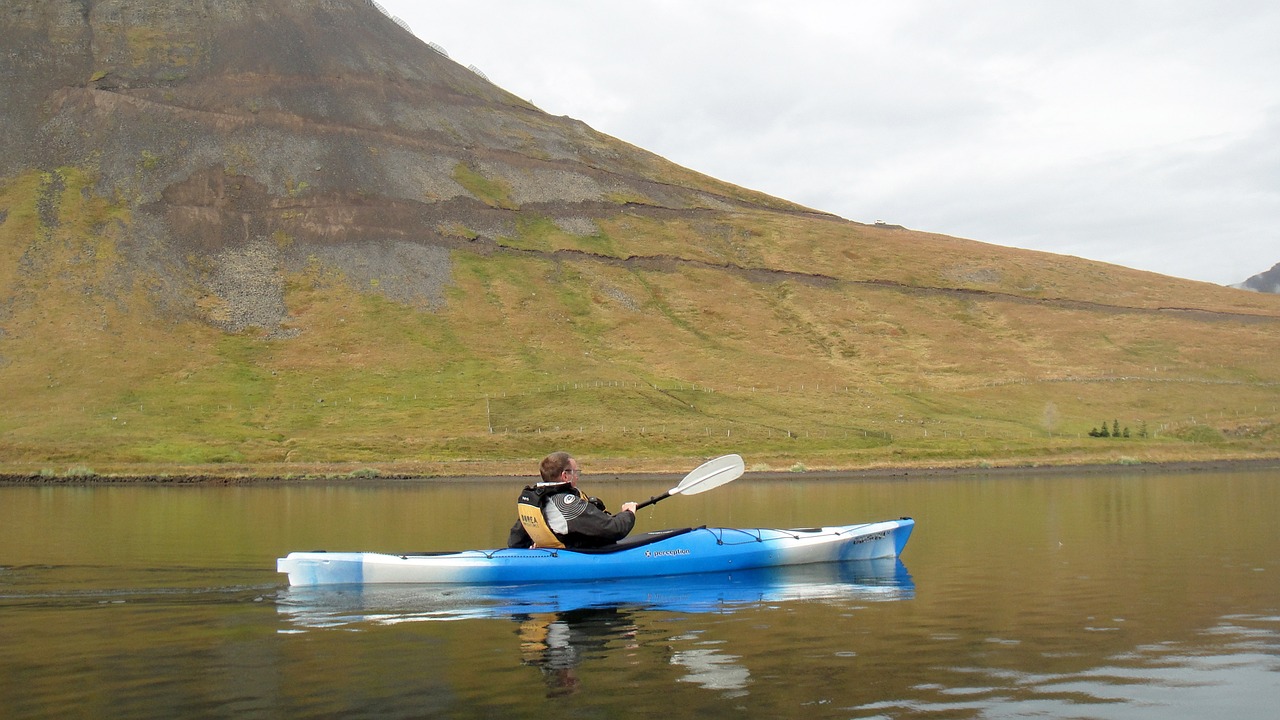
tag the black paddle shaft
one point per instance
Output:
(653, 500)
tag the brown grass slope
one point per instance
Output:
(287, 237)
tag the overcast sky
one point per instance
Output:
(1145, 134)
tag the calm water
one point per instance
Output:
(1143, 596)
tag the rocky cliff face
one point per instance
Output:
(246, 137)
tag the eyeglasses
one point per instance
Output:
(576, 472)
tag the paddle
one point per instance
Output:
(707, 476)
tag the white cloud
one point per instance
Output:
(1136, 132)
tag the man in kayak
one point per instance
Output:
(555, 513)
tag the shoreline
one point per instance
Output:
(873, 473)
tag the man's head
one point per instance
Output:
(559, 467)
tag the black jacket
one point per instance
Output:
(589, 525)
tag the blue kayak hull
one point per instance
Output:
(686, 552)
(846, 584)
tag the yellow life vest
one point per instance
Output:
(529, 509)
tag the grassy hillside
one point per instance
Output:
(645, 345)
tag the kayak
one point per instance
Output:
(845, 584)
(686, 551)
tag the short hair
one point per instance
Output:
(553, 465)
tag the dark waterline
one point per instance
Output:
(1121, 596)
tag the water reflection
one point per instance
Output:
(854, 581)
(713, 669)
(557, 643)
(1229, 670)
(561, 626)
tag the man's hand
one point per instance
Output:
(629, 506)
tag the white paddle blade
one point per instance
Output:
(710, 475)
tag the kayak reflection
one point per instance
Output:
(884, 579)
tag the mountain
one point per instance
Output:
(287, 236)
(1267, 282)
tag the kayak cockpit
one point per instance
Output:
(634, 541)
(628, 543)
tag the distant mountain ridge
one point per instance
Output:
(275, 233)
(1267, 281)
